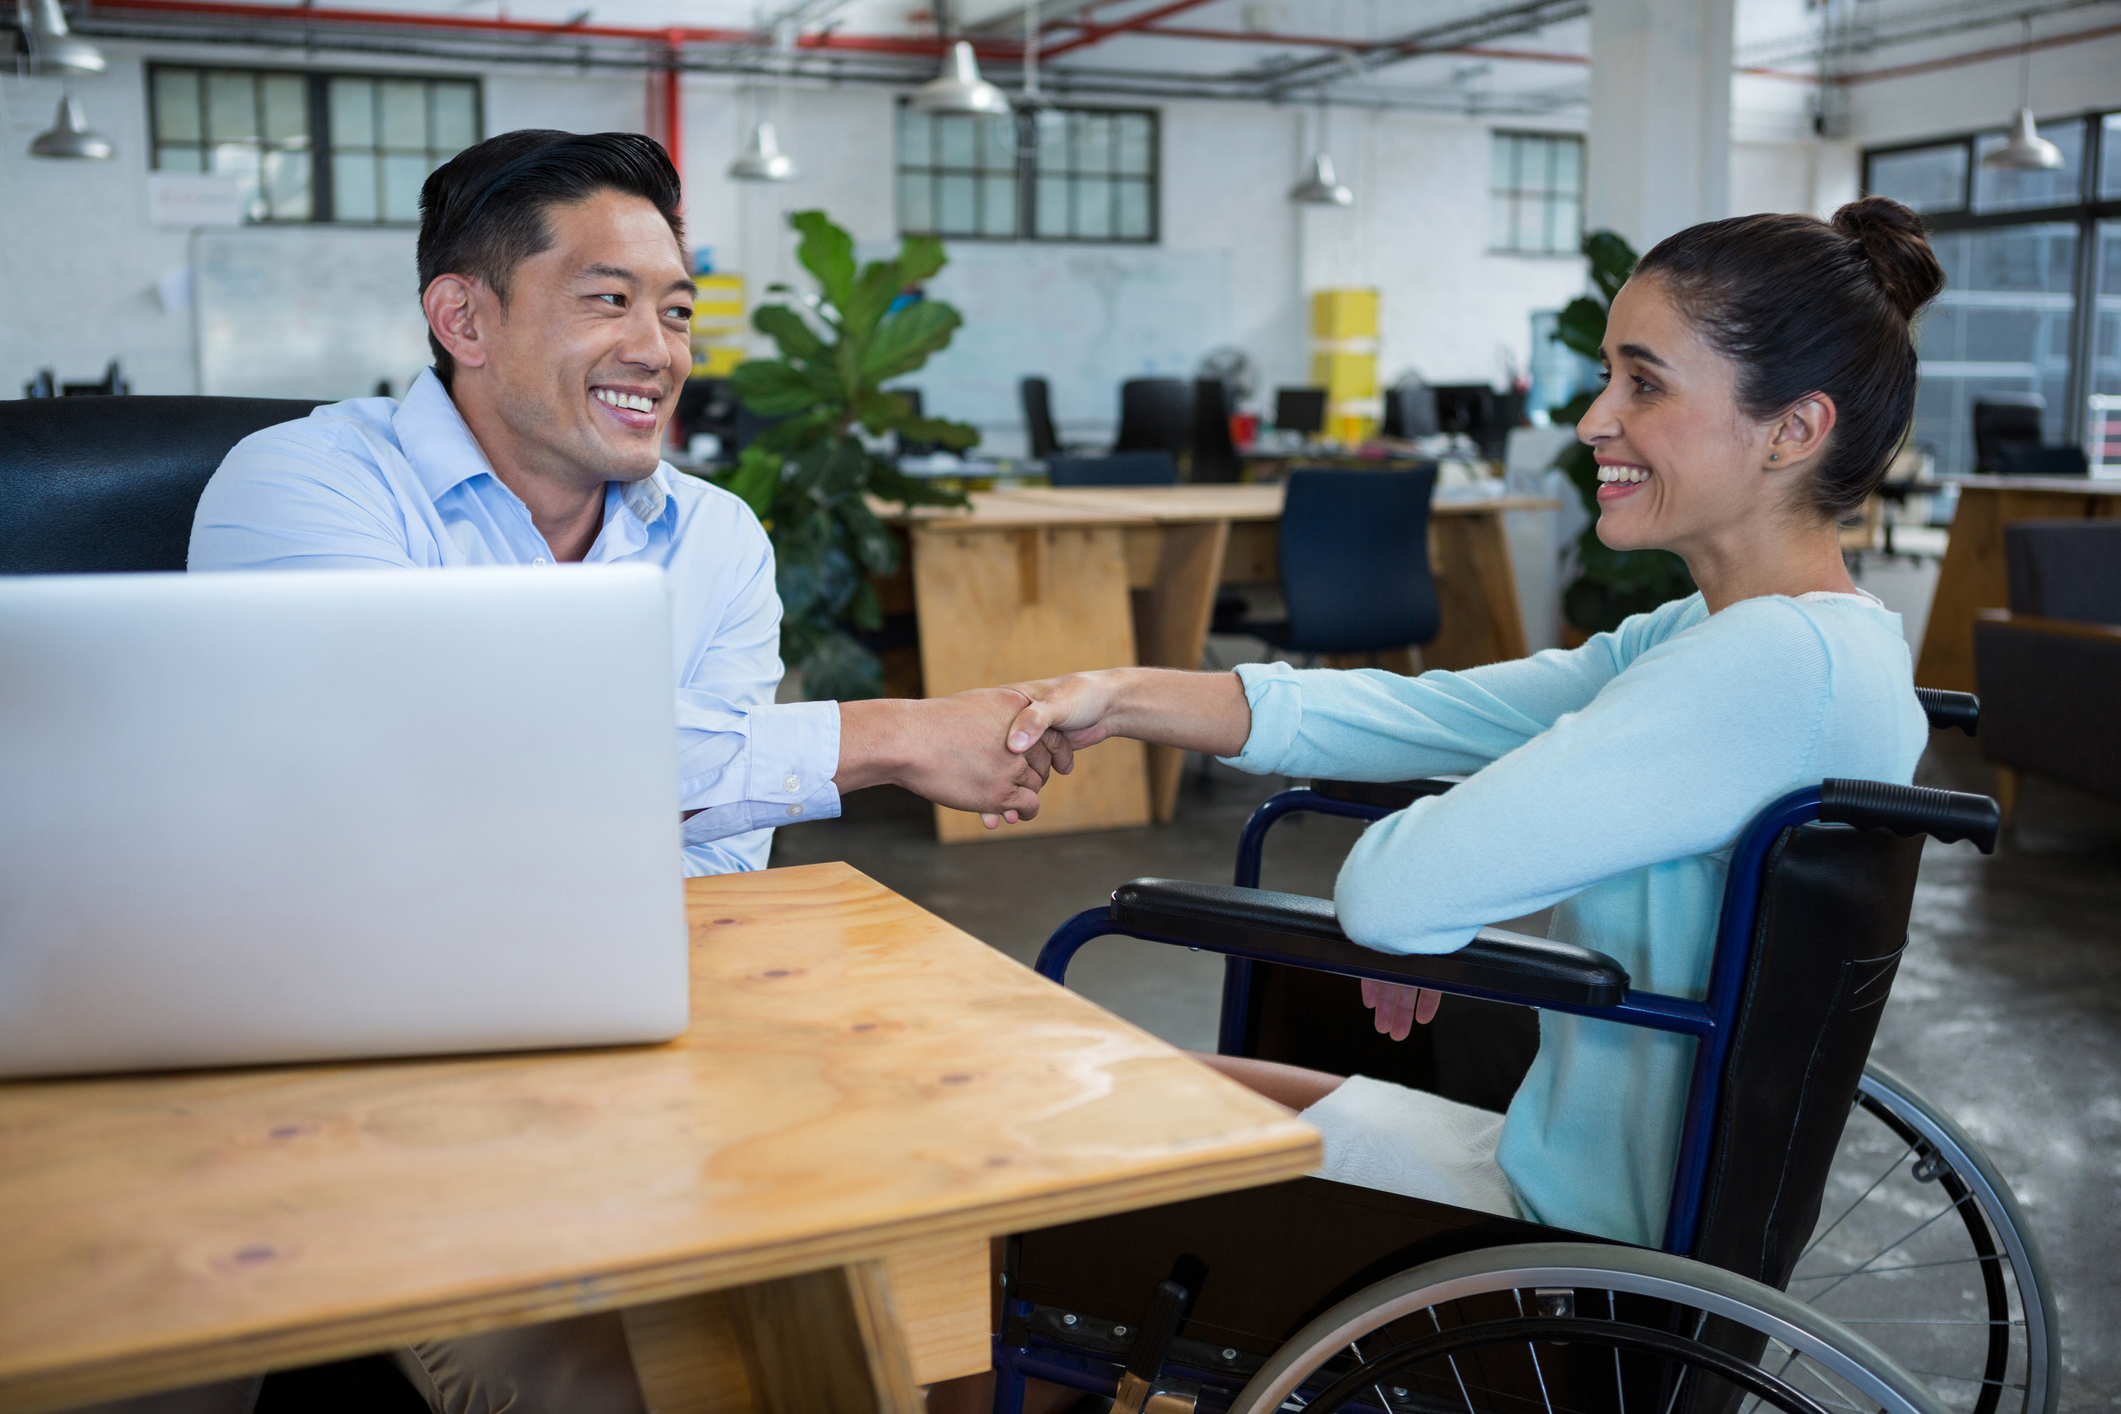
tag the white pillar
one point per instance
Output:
(1660, 132)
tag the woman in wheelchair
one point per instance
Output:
(1760, 373)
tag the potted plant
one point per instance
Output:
(1611, 584)
(809, 476)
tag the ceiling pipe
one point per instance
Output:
(1094, 33)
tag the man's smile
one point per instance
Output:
(632, 406)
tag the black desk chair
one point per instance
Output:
(1155, 415)
(2001, 418)
(101, 484)
(1354, 548)
(1214, 451)
(1037, 399)
(2032, 459)
(1119, 469)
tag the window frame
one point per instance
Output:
(1545, 194)
(1026, 172)
(323, 207)
(2085, 211)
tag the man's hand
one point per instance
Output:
(947, 749)
(1399, 1008)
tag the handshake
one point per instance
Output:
(991, 751)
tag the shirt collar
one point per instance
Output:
(437, 442)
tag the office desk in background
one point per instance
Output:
(1974, 575)
(865, 1097)
(1036, 582)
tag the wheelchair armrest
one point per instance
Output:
(1305, 933)
(1397, 795)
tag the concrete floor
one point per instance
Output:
(2007, 1011)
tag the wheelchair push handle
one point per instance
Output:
(1947, 816)
(1950, 709)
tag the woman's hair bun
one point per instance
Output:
(1898, 249)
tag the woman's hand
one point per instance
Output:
(1193, 711)
(1399, 1009)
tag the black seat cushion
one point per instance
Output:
(2065, 569)
(104, 484)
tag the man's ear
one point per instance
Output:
(1801, 432)
(453, 305)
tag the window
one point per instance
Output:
(2022, 310)
(312, 147)
(1535, 194)
(1065, 174)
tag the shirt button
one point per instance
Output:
(539, 560)
(795, 810)
(792, 783)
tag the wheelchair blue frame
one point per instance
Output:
(1711, 1022)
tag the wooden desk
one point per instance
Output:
(1973, 575)
(865, 1097)
(988, 598)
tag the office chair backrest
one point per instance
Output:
(2004, 417)
(1155, 415)
(2032, 459)
(1119, 469)
(1039, 433)
(2065, 569)
(1355, 560)
(1214, 453)
(1833, 920)
(101, 484)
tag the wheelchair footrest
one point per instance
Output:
(1297, 930)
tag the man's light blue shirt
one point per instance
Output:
(374, 483)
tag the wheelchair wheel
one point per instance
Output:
(1544, 1328)
(1921, 1248)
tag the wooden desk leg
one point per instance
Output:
(822, 1343)
(1011, 605)
(1971, 577)
(1478, 592)
(1171, 627)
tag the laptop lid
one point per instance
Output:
(289, 816)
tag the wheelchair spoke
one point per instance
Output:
(1701, 1319)
(1869, 1271)
(1453, 1361)
(1612, 1311)
(1946, 1211)
(1890, 1169)
(1533, 1350)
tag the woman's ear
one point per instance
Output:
(451, 305)
(1801, 432)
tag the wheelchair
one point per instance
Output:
(1833, 1242)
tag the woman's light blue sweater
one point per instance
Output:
(1612, 781)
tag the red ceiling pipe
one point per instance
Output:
(1093, 33)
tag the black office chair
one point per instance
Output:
(1155, 415)
(2032, 459)
(1300, 410)
(1038, 417)
(1214, 452)
(1355, 576)
(2001, 419)
(1119, 469)
(91, 485)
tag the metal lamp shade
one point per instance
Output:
(52, 48)
(959, 88)
(1320, 187)
(764, 161)
(70, 136)
(2026, 151)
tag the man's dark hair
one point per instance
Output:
(482, 213)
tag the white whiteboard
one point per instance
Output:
(307, 312)
(1083, 317)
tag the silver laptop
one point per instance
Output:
(300, 816)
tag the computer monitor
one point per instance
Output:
(1410, 411)
(1300, 410)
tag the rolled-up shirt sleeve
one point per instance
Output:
(745, 763)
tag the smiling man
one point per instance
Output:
(554, 281)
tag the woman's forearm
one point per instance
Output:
(1193, 711)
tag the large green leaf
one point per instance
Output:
(797, 340)
(753, 480)
(774, 388)
(1612, 261)
(878, 285)
(918, 258)
(827, 252)
(1582, 326)
(904, 341)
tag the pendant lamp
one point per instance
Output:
(70, 135)
(959, 88)
(1320, 187)
(52, 47)
(764, 161)
(2026, 150)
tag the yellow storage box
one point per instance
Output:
(1344, 314)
